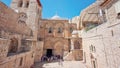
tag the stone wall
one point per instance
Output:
(20, 58)
(75, 55)
(9, 21)
(45, 25)
(3, 48)
(59, 45)
(23, 60)
(13, 53)
(101, 45)
(105, 43)
(39, 51)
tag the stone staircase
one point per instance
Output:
(74, 55)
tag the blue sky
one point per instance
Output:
(63, 8)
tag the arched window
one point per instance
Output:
(50, 30)
(20, 3)
(118, 15)
(92, 48)
(60, 30)
(104, 16)
(27, 4)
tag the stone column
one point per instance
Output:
(72, 45)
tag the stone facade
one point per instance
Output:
(13, 51)
(25, 37)
(101, 43)
(56, 36)
(30, 11)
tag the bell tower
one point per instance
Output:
(32, 9)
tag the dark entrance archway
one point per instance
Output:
(49, 53)
(13, 45)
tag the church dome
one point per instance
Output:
(56, 17)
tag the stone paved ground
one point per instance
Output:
(65, 64)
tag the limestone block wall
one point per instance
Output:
(23, 60)
(59, 45)
(101, 45)
(3, 48)
(33, 13)
(112, 15)
(39, 51)
(9, 21)
(78, 54)
(74, 55)
(45, 24)
(106, 41)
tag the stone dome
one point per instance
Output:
(56, 17)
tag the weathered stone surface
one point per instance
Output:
(25, 37)
(101, 44)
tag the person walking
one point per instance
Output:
(60, 62)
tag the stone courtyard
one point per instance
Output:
(90, 40)
(64, 64)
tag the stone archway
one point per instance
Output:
(48, 48)
(59, 48)
(13, 48)
(48, 44)
(49, 29)
(59, 29)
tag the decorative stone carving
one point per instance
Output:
(22, 18)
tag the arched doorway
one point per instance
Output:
(48, 48)
(13, 45)
(59, 48)
(49, 53)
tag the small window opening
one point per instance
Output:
(27, 4)
(118, 15)
(20, 3)
(50, 30)
(60, 30)
(112, 33)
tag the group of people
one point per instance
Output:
(51, 58)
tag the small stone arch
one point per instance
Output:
(59, 25)
(49, 28)
(59, 29)
(20, 3)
